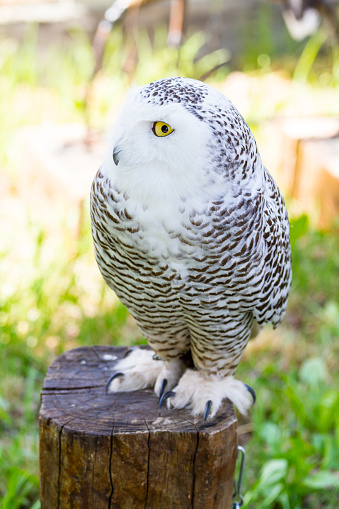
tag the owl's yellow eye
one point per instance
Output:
(162, 129)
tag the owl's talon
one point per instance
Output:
(115, 375)
(252, 392)
(207, 409)
(165, 396)
(129, 351)
(162, 388)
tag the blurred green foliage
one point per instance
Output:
(52, 297)
(315, 59)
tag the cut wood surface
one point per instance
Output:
(101, 450)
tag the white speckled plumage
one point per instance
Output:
(191, 232)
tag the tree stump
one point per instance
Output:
(108, 451)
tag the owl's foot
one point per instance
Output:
(203, 394)
(139, 369)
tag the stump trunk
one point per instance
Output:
(101, 451)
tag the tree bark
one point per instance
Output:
(113, 451)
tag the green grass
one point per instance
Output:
(52, 297)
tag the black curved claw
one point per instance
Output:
(115, 375)
(129, 350)
(165, 396)
(207, 409)
(252, 391)
(162, 388)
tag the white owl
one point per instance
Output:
(191, 232)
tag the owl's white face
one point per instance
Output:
(150, 164)
(207, 151)
(139, 143)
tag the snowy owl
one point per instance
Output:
(191, 232)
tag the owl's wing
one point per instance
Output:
(277, 272)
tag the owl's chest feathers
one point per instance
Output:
(180, 241)
(159, 232)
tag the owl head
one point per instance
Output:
(179, 134)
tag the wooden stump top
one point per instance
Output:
(74, 388)
(111, 444)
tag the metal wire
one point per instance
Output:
(238, 499)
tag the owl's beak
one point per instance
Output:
(116, 152)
